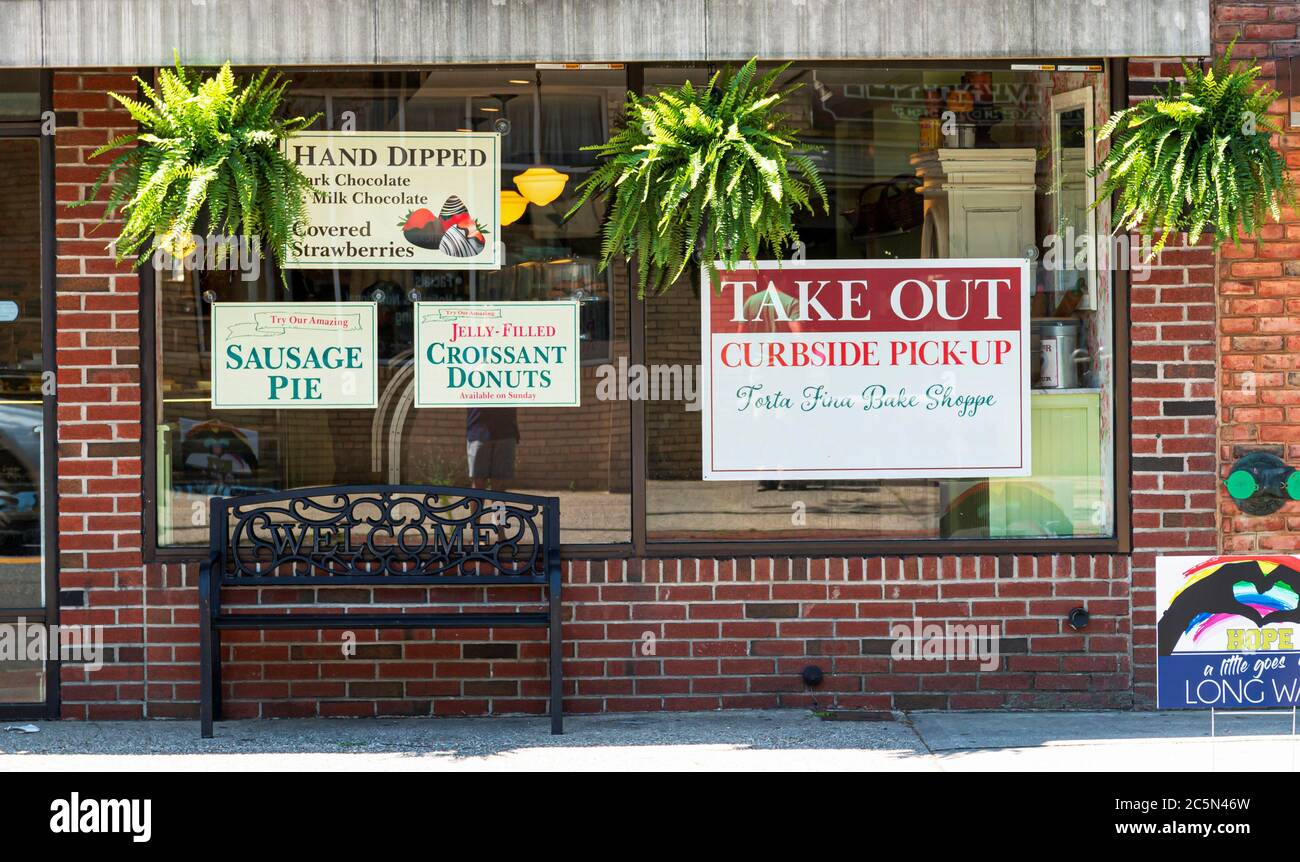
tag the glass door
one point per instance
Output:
(27, 685)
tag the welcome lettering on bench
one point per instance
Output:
(396, 536)
(292, 539)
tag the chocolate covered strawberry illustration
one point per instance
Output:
(462, 235)
(422, 228)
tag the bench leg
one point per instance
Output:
(216, 674)
(206, 692)
(557, 672)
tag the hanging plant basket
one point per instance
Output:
(1198, 159)
(206, 147)
(715, 173)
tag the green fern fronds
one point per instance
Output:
(715, 171)
(1197, 159)
(210, 144)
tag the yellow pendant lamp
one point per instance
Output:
(541, 185)
(513, 205)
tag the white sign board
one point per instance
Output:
(485, 354)
(867, 369)
(399, 200)
(283, 355)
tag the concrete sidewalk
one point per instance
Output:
(741, 741)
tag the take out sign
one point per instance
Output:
(867, 369)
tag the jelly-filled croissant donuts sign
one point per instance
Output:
(484, 354)
(398, 200)
(867, 369)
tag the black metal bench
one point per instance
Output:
(376, 536)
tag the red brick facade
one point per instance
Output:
(722, 632)
(100, 485)
(1259, 303)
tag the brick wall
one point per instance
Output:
(1259, 304)
(723, 632)
(97, 323)
(705, 634)
(1172, 355)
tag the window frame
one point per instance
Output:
(1115, 72)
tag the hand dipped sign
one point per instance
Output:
(1227, 632)
(399, 200)
(483, 354)
(284, 355)
(868, 369)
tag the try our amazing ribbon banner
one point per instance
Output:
(1226, 634)
(869, 369)
(267, 324)
(484, 354)
(398, 200)
(294, 355)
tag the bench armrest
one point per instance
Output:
(208, 589)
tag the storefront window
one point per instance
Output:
(928, 163)
(580, 454)
(892, 144)
(21, 362)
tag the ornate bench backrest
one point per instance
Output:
(385, 534)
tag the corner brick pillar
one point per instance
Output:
(1259, 301)
(97, 326)
(1172, 355)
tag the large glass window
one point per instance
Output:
(21, 363)
(886, 141)
(580, 454)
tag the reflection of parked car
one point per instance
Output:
(20, 466)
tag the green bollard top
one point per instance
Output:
(1242, 485)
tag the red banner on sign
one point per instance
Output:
(911, 298)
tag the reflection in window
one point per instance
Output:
(21, 362)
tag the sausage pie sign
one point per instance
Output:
(294, 355)
(870, 369)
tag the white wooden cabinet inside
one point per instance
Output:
(978, 203)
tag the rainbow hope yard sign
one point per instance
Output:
(1227, 632)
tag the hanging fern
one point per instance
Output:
(203, 143)
(715, 171)
(1197, 159)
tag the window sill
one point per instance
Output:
(754, 548)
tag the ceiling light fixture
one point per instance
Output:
(513, 205)
(541, 185)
